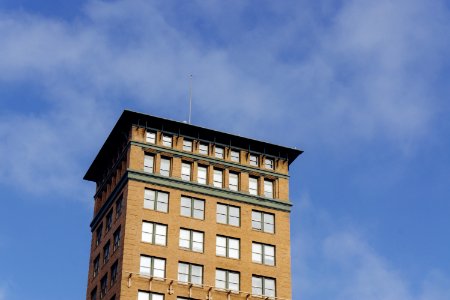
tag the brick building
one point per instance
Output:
(185, 212)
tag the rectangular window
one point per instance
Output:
(187, 145)
(116, 239)
(218, 178)
(227, 280)
(219, 152)
(103, 285)
(153, 266)
(263, 286)
(109, 220)
(167, 140)
(254, 160)
(149, 161)
(235, 156)
(191, 239)
(186, 171)
(149, 296)
(268, 188)
(114, 272)
(227, 214)
(150, 137)
(227, 247)
(203, 149)
(106, 252)
(98, 234)
(96, 266)
(119, 205)
(263, 254)
(268, 163)
(233, 181)
(191, 207)
(263, 221)
(253, 186)
(94, 294)
(156, 200)
(164, 169)
(190, 273)
(154, 233)
(202, 175)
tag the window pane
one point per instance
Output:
(157, 297)
(165, 167)
(219, 152)
(253, 186)
(150, 137)
(203, 149)
(268, 189)
(186, 171)
(148, 163)
(218, 178)
(143, 296)
(187, 145)
(201, 175)
(167, 141)
(235, 155)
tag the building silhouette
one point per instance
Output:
(185, 212)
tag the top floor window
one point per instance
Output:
(254, 160)
(203, 149)
(187, 145)
(167, 140)
(150, 137)
(219, 152)
(234, 156)
(148, 163)
(268, 188)
(253, 185)
(164, 169)
(268, 163)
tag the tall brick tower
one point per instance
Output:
(185, 212)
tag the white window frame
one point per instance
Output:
(149, 163)
(167, 140)
(269, 163)
(219, 152)
(235, 155)
(263, 284)
(223, 280)
(192, 208)
(254, 160)
(261, 221)
(186, 169)
(156, 266)
(191, 277)
(218, 178)
(154, 233)
(226, 214)
(150, 137)
(165, 166)
(149, 296)
(156, 200)
(192, 240)
(233, 181)
(203, 148)
(225, 249)
(268, 188)
(253, 186)
(200, 171)
(263, 254)
(187, 145)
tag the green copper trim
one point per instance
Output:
(208, 190)
(209, 159)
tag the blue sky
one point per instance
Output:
(361, 86)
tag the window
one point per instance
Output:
(227, 280)
(150, 137)
(187, 145)
(253, 186)
(201, 175)
(227, 214)
(186, 171)
(227, 247)
(106, 252)
(109, 220)
(164, 169)
(190, 273)
(98, 234)
(254, 160)
(263, 221)
(219, 152)
(113, 297)
(114, 272)
(218, 178)
(103, 285)
(235, 155)
(94, 294)
(156, 200)
(96, 266)
(203, 149)
(191, 207)
(263, 286)
(153, 266)
(119, 204)
(263, 254)
(149, 161)
(154, 233)
(233, 181)
(167, 140)
(268, 163)
(149, 296)
(268, 188)
(191, 239)
(116, 239)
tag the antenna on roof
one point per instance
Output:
(190, 98)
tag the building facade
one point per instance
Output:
(185, 212)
